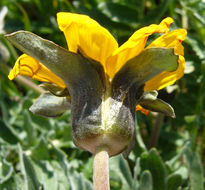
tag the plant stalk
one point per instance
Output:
(101, 169)
(156, 131)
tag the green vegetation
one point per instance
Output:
(38, 153)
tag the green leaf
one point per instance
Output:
(51, 166)
(7, 133)
(125, 171)
(6, 170)
(49, 105)
(119, 12)
(61, 158)
(60, 168)
(40, 152)
(151, 161)
(30, 177)
(29, 128)
(195, 168)
(146, 181)
(145, 66)
(174, 181)
(137, 171)
(16, 182)
(120, 168)
(88, 185)
(78, 182)
(130, 146)
(25, 18)
(197, 46)
(51, 175)
(157, 13)
(139, 141)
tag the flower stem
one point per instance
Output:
(156, 131)
(101, 169)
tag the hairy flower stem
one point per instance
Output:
(101, 169)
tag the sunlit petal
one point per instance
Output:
(134, 45)
(168, 40)
(30, 67)
(85, 33)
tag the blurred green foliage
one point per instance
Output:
(38, 153)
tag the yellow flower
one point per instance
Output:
(101, 83)
(85, 34)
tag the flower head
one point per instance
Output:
(101, 83)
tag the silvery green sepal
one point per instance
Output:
(48, 105)
(150, 101)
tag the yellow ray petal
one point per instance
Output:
(30, 67)
(143, 110)
(170, 40)
(134, 46)
(82, 31)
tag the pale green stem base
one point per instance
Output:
(101, 169)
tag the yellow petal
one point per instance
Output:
(169, 40)
(143, 110)
(85, 33)
(30, 67)
(134, 45)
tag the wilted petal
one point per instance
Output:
(85, 33)
(143, 110)
(30, 67)
(134, 46)
(169, 40)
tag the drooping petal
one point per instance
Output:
(85, 33)
(134, 46)
(30, 67)
(169, 40)
(142, 110)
